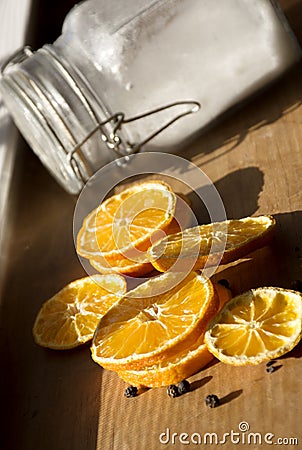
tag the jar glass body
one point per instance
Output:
(136, 56)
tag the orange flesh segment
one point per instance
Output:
(71, 316)
(139, 329)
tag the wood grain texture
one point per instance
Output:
(62, 400)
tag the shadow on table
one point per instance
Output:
(239, 192)
(278, 264)
(295, 353)
(231, 396)
(199, 383)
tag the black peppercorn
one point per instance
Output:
(172, 391)
(212, 401)
(224, 283)
(130, 391)
(183, 387)
(270, 369)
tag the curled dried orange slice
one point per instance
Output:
(211, 244)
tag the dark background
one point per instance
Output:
(46, 21)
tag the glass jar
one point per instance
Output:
(133, 58)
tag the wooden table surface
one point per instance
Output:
(63, 400)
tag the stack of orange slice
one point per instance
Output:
(115, 236)
(153, 336)
(178, 366)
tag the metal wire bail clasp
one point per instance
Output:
(114, 142)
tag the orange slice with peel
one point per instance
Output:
(256, 326)
(70, 317)
(124, 266)
(172, 370)
(211, 244)
(158, 318)
(138, 267)
(126, 222)
(179, 366)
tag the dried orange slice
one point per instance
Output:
(70, 317)
(124, 266)
(173, 369)
(179, 366)
(256, 326)
(215, 243)
(126, 221)
(159, 317)
(134, 268)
